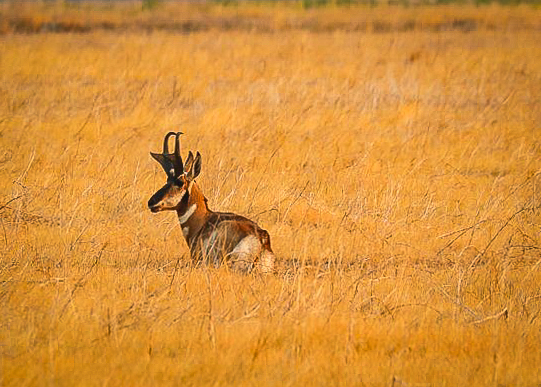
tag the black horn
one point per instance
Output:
(166, 142)
(179, 167)
(167, 160)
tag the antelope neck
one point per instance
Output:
(193, 214)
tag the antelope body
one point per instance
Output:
(213, 237)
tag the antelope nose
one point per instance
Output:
(152, 202)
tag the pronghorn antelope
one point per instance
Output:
(213, 237)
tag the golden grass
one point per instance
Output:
(398, 174)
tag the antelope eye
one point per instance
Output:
(179, 183)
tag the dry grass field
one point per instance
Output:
(397, 170)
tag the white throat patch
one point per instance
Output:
(189, 212)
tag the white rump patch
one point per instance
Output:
(189, 212)
(248, 246)
(185, 231)
(245, 253)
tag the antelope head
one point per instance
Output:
(179, 176)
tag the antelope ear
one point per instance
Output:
(189, 162)
(195, 167)
(196, 170)
(165, 162)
